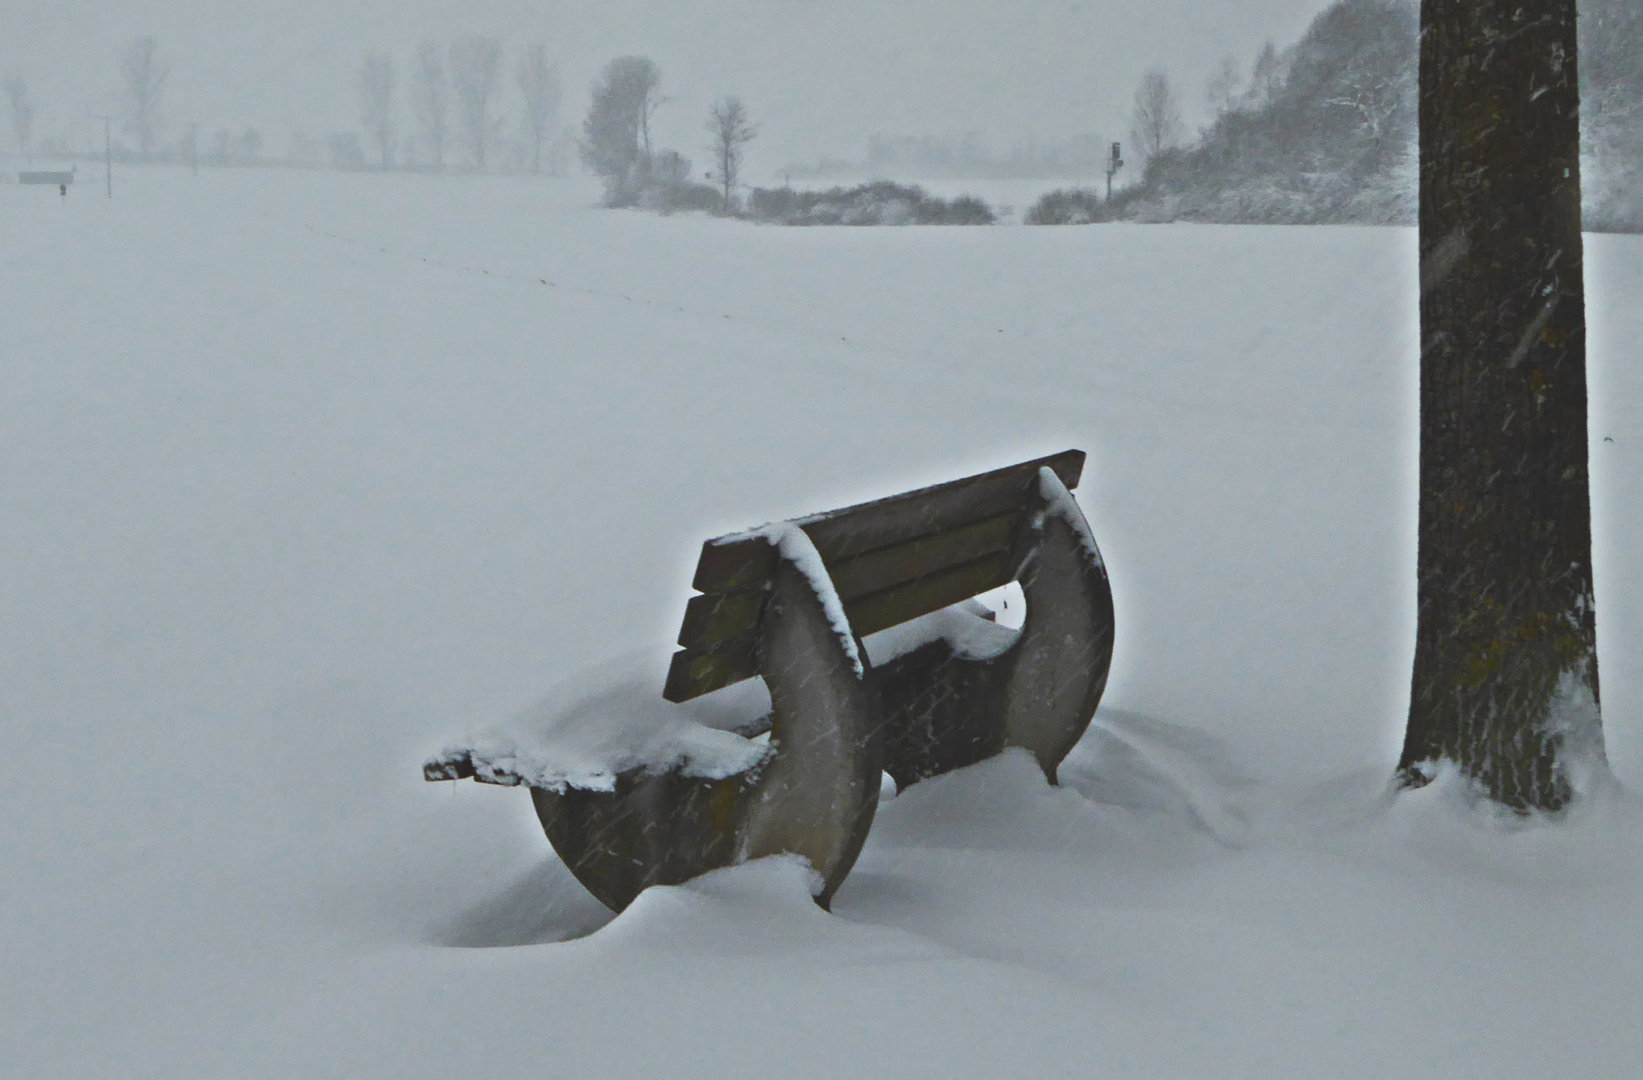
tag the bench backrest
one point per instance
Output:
(890, 560)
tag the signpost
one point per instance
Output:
(60, 180)
(1114, 163)
(108, 151)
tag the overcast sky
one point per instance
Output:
(819, 75)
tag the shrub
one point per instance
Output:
(1083, 206)
(880, 202)
(968, 210)
(1067, 206)
(681, 195)
(660, 182)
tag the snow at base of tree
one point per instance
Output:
(1573, 717)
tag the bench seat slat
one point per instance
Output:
(718, 616)
(714, 617)
(890, 560)
(734, 564)
(702, 669)
(882, 610)
(856, 530)
(695, 672)
(908, 562)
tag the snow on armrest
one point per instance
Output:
(968, 627)
(595, 729)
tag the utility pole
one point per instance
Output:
(108, 151)
(1114, 163)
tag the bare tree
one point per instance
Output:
(22, 114)
(1377, 104)
(616, 133)
(1504, 687)
(429, 99)
(730, 131)
(1155, 125)
(474, 63)
(376, 100)
(539, 84)
(144, 77)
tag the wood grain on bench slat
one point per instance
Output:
(882, 610)
(907, 562)
(733, 564)
(856, 530)
(695, 672)
(702, 669)
(719, 616)
(891, 560)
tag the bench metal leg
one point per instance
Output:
(943, 712)
(813, 796)
(1052, 680)
(819, 789)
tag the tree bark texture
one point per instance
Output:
(1505, 677)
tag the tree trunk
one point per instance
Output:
(1505, 676)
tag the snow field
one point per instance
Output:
(307, 473)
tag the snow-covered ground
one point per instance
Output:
(304, 473)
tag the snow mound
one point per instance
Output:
(764, 905)
(1163, 769)
(543, 905)
(1449, 827)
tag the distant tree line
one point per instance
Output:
(971, 154)
(616, 145)
(1322, 131)
(454, 94)
(1325, 130)
(448, 112)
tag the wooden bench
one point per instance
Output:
(791, 603)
